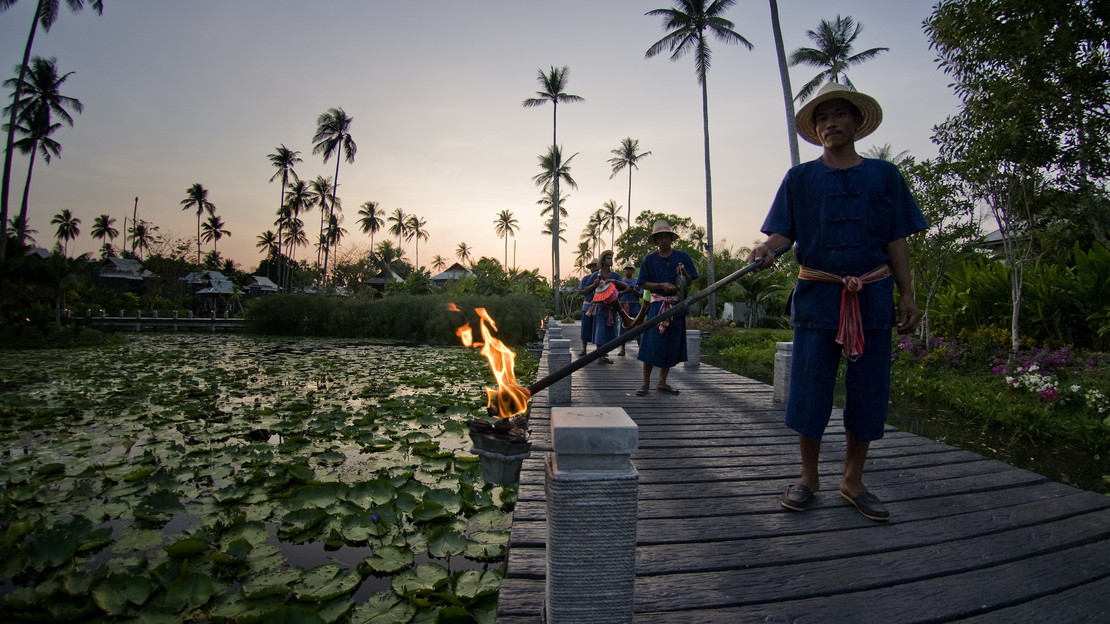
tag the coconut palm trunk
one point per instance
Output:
(9, 146)
(787, 92)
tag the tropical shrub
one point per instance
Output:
(408, 318)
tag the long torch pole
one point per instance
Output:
(679, 308)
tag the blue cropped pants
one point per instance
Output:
(815, 360)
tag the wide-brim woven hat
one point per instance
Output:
(661, 227)
(867, 105)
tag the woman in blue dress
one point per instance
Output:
(606, 319)
(586, 289)
(630, 298)
(664, 345)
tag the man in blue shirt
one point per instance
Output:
(848, 218)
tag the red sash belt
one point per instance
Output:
(850, 329)
(668, 302)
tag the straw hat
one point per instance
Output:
(591, 263)
(661, 227)
(868, 107)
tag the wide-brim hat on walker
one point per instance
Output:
(867, 105)
(661, 227)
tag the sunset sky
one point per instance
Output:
(182, 92)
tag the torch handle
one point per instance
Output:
(628, 335)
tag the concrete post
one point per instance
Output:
(592, 492)
(555, 333)
(175, 312)
(693, 348)
(558, 356)
(783, 357)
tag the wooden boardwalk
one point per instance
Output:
(970, 539)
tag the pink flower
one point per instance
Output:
(1048, 393)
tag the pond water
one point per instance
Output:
(340, 468)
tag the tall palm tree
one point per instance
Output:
(627, 156)
(40, 100)
(323, 191)
(46, 13)
(67, 228)
(284, 159)
(787, 92)
(886, 152)
(335, 232)
(688, 22)
(102, 229)
(439, 263)
(833, 53)
(582, 255)
(416, 232)
(386, 256)
(333, 136)
(463, 253)
(611, 220)
(295, 237)
(142, 236)
(299, 198)
(505, 225)
(214, 229)
(196, 197)
(399, 225)
(371, 220)
(554, 169)
(553, 84)
(591, 233)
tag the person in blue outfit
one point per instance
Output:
(586, 289)
(629, 299)
(848, 218)
(606, 319)
(664, 345)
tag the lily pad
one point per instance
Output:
(473, 584)
(383, 608)
(189, 591)
(423, 578)
(361, 526)
(324, 583)
(389, 559)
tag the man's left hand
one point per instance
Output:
(908, 315)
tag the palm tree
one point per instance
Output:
(334, 233)
(268, 241)
(611, 219)
(886, 152)
(214, 230)
(15, 225)
(371, 221)
(400, 225)
(67, 228)
(688, 22)
(582, 255)
(386, 255)
(322, 191)
(554, 169)
(553, 83)
(142, 235)
(295, 236)
(787, 92)
(196, 197)
(439, 263)
(299, 198)
(333, 135)
(46, 13)
(592, 233)
(463, 252)
(833, 53)
(284, 159)
(505, 225)
(416, 231)
(102, 229)
(40, 100)
(628, 156)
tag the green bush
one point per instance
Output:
(750, 352)
(407, 318)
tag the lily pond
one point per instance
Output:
(246, 479)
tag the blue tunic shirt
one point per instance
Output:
(840, 221)
(669, 348)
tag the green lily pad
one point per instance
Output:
(445, 542)
(429, 511)
(389, 559)
(301, 521)
(473, 584)
(189, 591)
(371, 493)
(451, 501)
(487, 545)
(187, 547)
(273, 582)
(158, 507)
(361, 526)
(118, 590)
(383, 608)
(325, 582)
(424, 578)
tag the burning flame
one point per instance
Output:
(510, 398)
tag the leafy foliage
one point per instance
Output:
(192, 491)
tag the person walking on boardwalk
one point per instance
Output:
(630, 298)
(607, 288)
(665, 273)
(848, 218)
(586, 289)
